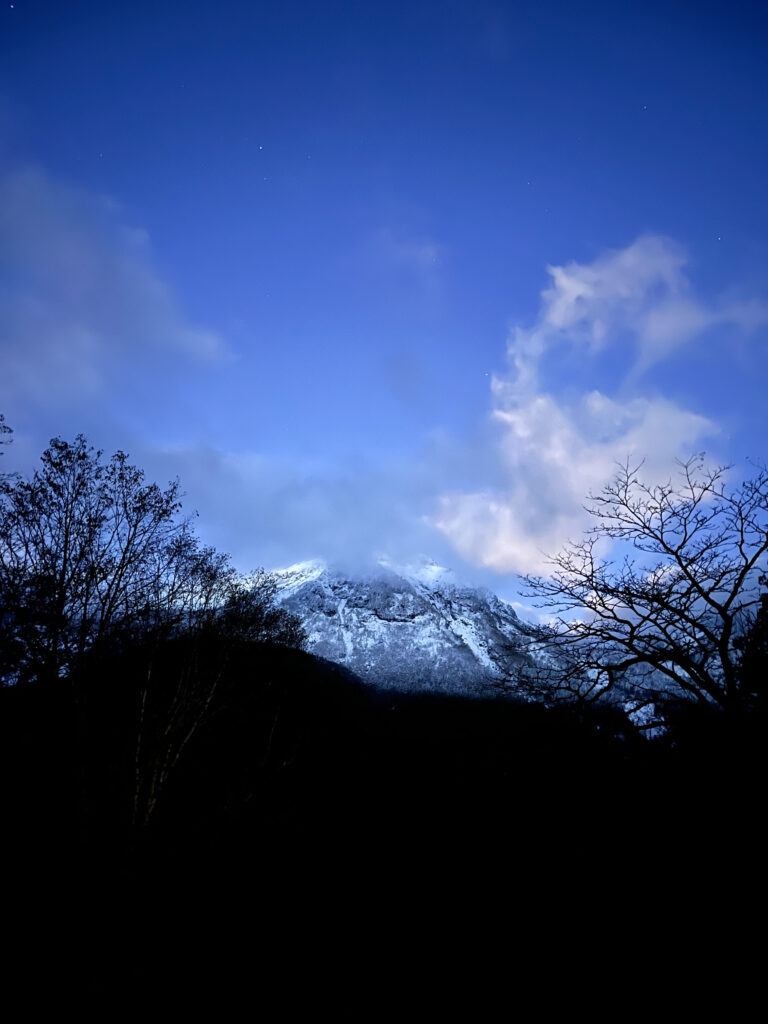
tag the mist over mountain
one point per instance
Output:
(412, 628)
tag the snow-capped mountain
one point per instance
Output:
(408, 628)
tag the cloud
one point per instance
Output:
(638, 295)
(551, 458)
(551, 452)
(83, 316)
(80, 301)
(672, 324)
(270, 511)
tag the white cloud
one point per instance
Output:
(640, 294)
(552, 458)
(614, 287)
(80, 300)
(552, 453)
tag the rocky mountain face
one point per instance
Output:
(412, 629)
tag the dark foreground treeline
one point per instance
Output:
(303, 789)
(294, 756)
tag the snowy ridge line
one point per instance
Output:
(410, 627)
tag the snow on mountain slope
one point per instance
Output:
(407, 628)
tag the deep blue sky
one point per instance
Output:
(283, 250)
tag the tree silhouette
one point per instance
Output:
(99, 568)
(85, 548)
(665, 614)
(5, 436)
(92, 554)
(752, 646)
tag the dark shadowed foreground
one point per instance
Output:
(313, 828)
(196, 813)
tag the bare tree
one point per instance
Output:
(95, 560)
(84, 546)
(4, 430)
(216, 611)
(90, 552)
(663, 610)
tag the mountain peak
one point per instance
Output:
(425, 571)
(408, 627)
(298, 575)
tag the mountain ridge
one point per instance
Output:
(414, 628)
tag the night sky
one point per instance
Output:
(401, 278)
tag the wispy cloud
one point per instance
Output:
(639, 296)
(551, 457)
(551, 450)
(270, 511)
(82, 309)
(81, 300)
